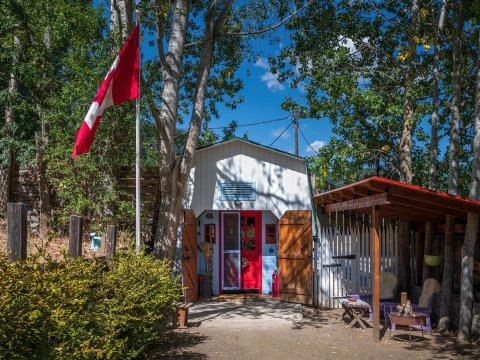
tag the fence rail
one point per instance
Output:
(344, 262)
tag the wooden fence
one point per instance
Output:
(25, 189)
(17, 234)
(343, 256)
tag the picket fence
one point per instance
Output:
(342, 234)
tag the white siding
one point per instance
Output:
(269, 254)
(281, 180)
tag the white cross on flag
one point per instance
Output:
(121, 84)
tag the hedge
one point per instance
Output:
(81, 308)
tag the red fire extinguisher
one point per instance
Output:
(275, 284)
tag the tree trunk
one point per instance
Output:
(121, 19)
(466, 284)
(40, 142)
(448, 270)
(427, 250)
(409, 102)
(44, 189)
(471, 231)
(164, 247)
(432, 170)
(405, 168)
(9, 119)
(404, 273)
(167, 207)
(457, 100)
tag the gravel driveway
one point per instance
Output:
(268, 329)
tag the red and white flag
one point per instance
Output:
(121, 84)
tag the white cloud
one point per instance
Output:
(270, 79)
(350, 45)
(262, 63)
(276, 133)
(272, 82)
(316, 145)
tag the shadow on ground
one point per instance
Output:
(176, 344)
(258, 329)
(261, 312)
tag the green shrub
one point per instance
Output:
(80, 309)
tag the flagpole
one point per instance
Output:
(138, 13)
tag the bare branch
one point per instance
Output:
(160, 31)
(200, 93)
(272, 27)
(222, 17)
(16, 27)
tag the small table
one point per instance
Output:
(357, 310)
(415, 319)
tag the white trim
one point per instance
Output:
(231, 252)
(254, 144)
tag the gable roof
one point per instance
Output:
(235, 138)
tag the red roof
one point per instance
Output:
(400, 200)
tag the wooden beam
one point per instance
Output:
(347, 193)
(422, 206)
(375, 231)
(360, 191)
(415, 212)
(434, 199)
(361, 203)
(336, 196)
(392, 213)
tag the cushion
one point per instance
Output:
(388, 282)
(430, 287)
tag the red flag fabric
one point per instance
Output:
(121, 84)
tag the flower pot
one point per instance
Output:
(433, 260)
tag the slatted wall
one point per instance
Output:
(342, 234)
(26, 190)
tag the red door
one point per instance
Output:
(251, 249)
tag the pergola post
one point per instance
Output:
(376, 272)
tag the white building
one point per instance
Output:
(238, 191)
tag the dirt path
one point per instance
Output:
(259, 329)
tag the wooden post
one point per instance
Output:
(427, 249)
(376, 273)
(76, 234)
(17, 231)
(10, 174)
(419, 258)
(111, 241)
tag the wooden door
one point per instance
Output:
(189, 255)
(295, 256)
(251, 246)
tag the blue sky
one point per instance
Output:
(263, 96)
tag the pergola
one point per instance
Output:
(380, 197)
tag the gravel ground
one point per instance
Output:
(267, 329)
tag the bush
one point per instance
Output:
(80, 309)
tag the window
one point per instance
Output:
(271, 234)
(210, 233)
(238, 191)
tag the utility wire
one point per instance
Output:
(278, 137)
(239, 126)
(308, 142)
(252, 124)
